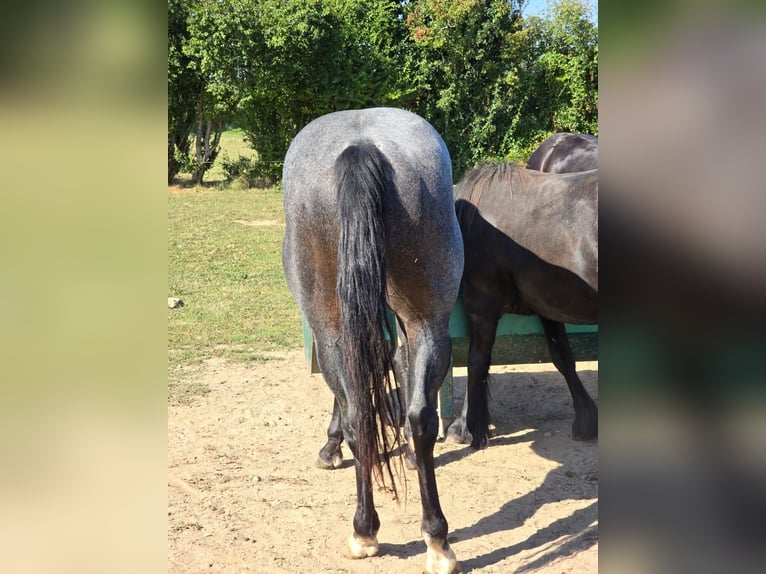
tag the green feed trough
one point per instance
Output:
(519, 340)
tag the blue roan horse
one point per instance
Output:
(531, 247)
(370, 224)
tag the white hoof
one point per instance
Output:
(440, 559)
(337, 461)
(362, 547)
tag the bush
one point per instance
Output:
(250, 172)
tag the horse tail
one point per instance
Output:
(363, 181)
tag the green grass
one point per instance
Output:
(225, 262)
(224, 259)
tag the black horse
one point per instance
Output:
(531, 247)
(565, 153)
(370, 225)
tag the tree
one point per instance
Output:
(491, 81)
(558, 68)
(184, 86)
(463, 51)
(271, 66)
(494, 83)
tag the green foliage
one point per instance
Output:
(493, 82)
(272, 66)
(464, 51)
(184, 87)
(567, 68)
(248, 172)
(496, 84)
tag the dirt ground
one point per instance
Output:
(244, 494)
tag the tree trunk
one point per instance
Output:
(207, 145)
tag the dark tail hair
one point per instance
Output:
(362, 174)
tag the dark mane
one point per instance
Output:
(486, 175)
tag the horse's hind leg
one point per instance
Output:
(585, 426)
(429, 361)
(330, 455)
(401, 368)
(473, 423)
(363, 543)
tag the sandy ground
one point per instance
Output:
(244, 495)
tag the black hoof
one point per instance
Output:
(481, 440)
(585, 427)
(584, 433)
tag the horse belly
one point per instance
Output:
(559, 295)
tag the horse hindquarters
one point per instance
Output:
(334, 209)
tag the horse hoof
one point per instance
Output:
(329, 464)
(362, 547)
(453, 438)
(441, 560)
(584, 435)
(457, 433)
(585, 428)
(480, 443)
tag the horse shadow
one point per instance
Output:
(575, 478)
(516, 422)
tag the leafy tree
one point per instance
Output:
(491, 81)
(197, 112)
(463, 52)
(560, 73)
(272, 66)
(495, 84)
(184, 86)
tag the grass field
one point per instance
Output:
(224, 261)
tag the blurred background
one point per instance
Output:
(683, 441)
(82, 315)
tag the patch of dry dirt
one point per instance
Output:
(259, 222)
(244, 495)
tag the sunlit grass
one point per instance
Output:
(224, 261)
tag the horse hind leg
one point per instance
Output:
(331, 455)
(401, 368)
(585, 425)
(363, 542)
(428, 367)
(472, 426)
